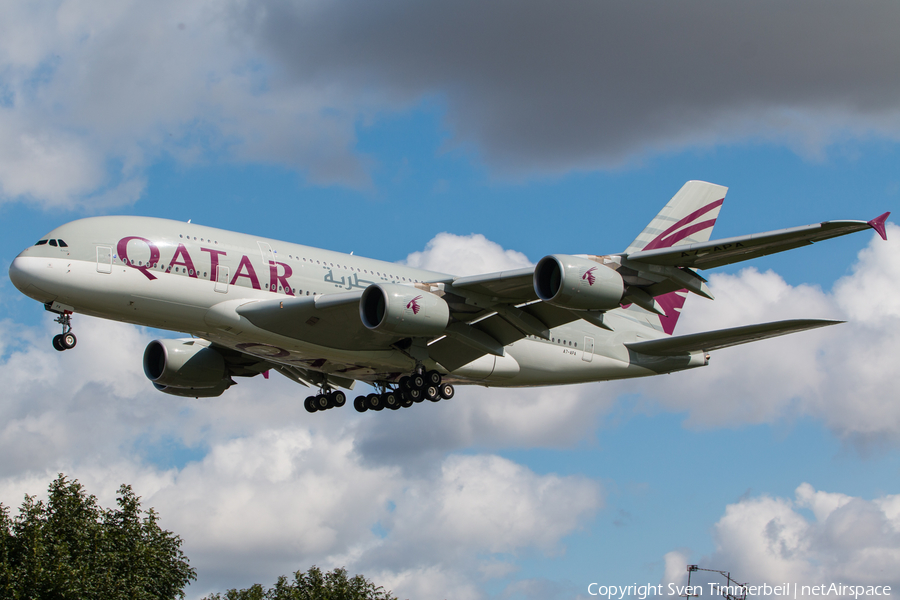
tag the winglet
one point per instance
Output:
(878, 225)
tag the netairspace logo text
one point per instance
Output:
(642, 592)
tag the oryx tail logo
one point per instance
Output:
(414, 305)
(589, 276)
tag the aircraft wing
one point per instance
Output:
(515, 285)
(716, 253)
(723, 338)
(330, 320)
(488, 312)
(466, 342)
(494, 310)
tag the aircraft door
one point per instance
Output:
(222, 273)
(104, 259)
(268, 254)
(588, 353)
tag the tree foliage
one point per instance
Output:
(312, 585)
(69, 547)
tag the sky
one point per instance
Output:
(469, 137)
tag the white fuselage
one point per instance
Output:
(190, 278)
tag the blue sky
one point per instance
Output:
(544, 128)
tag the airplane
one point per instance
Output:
(327, 320)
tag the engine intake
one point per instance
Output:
(577, 283)
(186, 364)
(403, 310)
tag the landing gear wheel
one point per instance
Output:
(433, 393)
(416, 382)
(433, 378)
(447, 391)
(404, 383)
(337, 398)
(68, 341)
(390, 400)
(322, 402)
(310, 404)
(405, 400)
(360, 404)
(58, 343)
(373, 402)
(416, 394)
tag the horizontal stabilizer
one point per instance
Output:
(723, 338)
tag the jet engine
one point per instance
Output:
(186, 367)
(403, 310)
(577, 283)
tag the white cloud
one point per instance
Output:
(466, 255)
(92, 93)
(493, 504)
(849, 540)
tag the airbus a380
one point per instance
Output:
(327, 320)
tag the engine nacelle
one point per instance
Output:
(188, 364)
(577, 283)
(403, 310)
(195, 392)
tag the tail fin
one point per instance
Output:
(688, 218)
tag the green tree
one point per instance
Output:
(312, 585)
(70, 547)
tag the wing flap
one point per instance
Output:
(716, 253)
(723, 338)
(453, 353)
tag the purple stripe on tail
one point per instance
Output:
(667, 240)
(671, 303)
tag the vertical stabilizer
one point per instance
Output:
(688, 218)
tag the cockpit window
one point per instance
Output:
(41, 242)
(53, 243)
(62, 244)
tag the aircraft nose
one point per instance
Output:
(27, 275)
(18, 273)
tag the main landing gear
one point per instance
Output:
(324, 400)
(66, 340)
(411, 390)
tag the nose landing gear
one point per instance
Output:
(66, 340)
